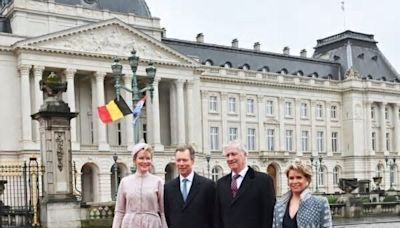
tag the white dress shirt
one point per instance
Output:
(188, 183)
(242, 173)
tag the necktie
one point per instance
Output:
(234, 187)
(184, 189)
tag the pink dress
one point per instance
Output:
(140, 202)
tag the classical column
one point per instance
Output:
(261, 117)
(281, 109)
(70, 75)
(26, 125)
(129, 118)
(149, 119)
(298, 128)
(37, 76)
(101, 127)
(382, 122)
(368, 124)
(243, 119)
(313, 132)
(156, 116)
(396, 138)
(328, 130)
(206, 134)
(181, 110)
(224, 117)
(190, 112)
(173, 113)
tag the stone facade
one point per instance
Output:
(352, 123)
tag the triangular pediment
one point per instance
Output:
(107, 38)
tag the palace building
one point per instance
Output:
(339, 106)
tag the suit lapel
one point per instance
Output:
(177, 190)
(247, 181)
(194, 189)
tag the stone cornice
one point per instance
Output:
(95, 55)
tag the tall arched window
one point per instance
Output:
(216, 173)
(337, 173)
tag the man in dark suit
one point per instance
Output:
(245, 197)
(189, 199)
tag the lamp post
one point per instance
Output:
(115, 158)
(134, 90)
(391, 162)
(208, 158)
(317, 164)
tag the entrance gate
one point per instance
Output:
(19, 203)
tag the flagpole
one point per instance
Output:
(344, 14)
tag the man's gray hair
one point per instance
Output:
(236, 144)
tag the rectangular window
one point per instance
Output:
(334, 142)
(289, 140)
(232, 105)
(288, 108)
(270, 139)
(250, 106)
(232, 134)
(304, 110)
(251, 139)
(304, 141)
(214, 138)
(387, 141)
(373, 141)
(386, 113)
(320, 141)
(269, 108)
(319, 111)
(372, 113)
(333, 112)
(212, 105)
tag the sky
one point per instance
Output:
(279, 23)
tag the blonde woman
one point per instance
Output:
(140, 201)
(298, 207)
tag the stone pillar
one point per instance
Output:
(173, 114)
(396, 123)
(297, 134)
(224, 121)
(26, 122)
(181, 111)
(149, 120)
(313, 133)
(382, 123)
(206, 133)
(243, 117)
(281, 109)
(261, 116)
(129, 118)
(37, 76)
(58, 199)
(191, 131)
(156, 116)
(368, 124)
(101, 127)
(70, 75)
(328, 130)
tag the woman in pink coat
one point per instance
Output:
(140, 196)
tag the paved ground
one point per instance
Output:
(368, 222)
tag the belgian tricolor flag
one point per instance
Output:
(114, 110)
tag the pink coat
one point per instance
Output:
(140, 202)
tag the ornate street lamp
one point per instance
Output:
(317, 164)
(115, 158)
(208, 158)
(391, 162)
(134, 90)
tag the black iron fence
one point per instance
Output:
(19, 203)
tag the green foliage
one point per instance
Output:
(331, 199)
(390, 199)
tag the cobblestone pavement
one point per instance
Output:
(379, 222)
